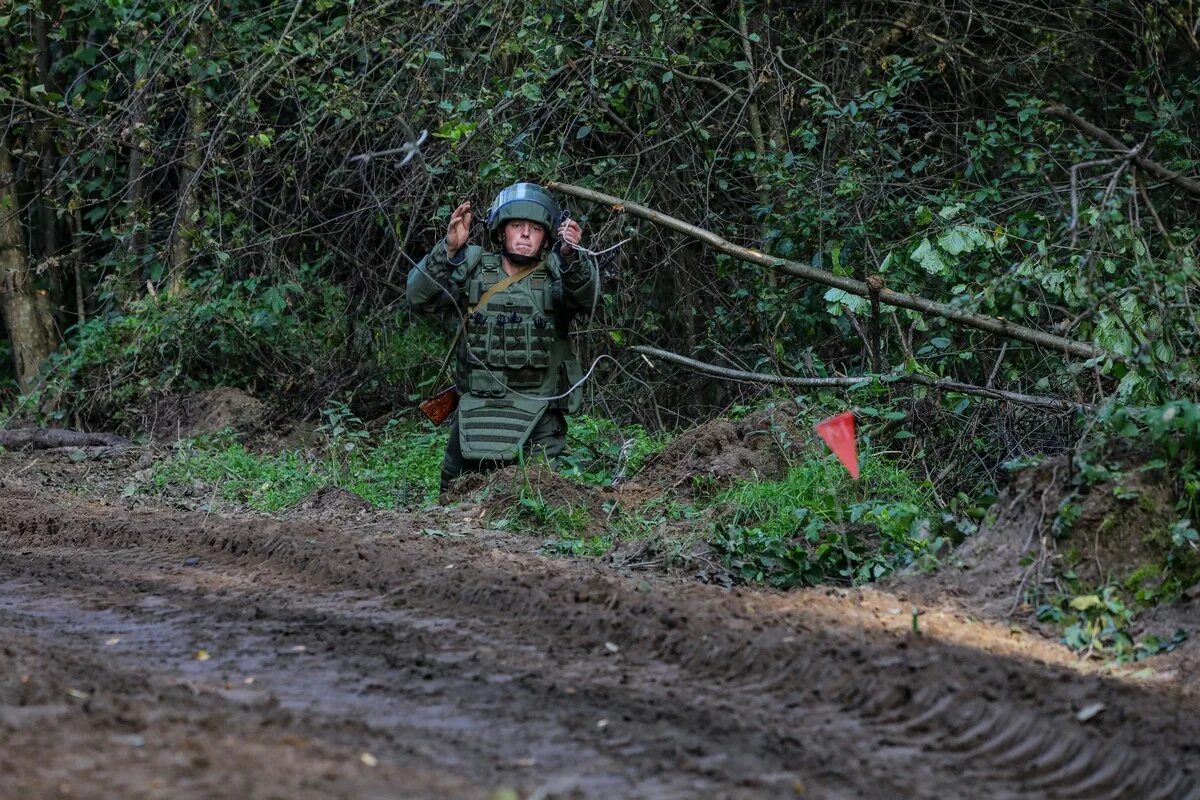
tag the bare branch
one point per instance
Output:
(1189, 185)
(1053, 403)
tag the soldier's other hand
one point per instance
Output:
(570, 234)
(459, 229)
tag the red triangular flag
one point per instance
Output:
(838, 433)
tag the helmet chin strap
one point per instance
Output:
(520, 260)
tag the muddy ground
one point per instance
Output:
(147, 652)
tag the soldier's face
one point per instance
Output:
(523, 237)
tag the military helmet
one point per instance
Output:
(525, 201)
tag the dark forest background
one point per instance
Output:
(179, 207)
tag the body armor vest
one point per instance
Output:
(513, 353)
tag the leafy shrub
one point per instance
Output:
(1100, 624)
(599, 450)
(248, 333)
(818, 526)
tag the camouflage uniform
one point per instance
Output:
(515, 351)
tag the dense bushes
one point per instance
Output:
(207, 147)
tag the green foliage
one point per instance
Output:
(1100, 624)
(400, 467)
(265, 483)
(599, 450)
(1168, 438)
(532, 513)
(818, 526)
(247, 333)
(580, 547)
(1100, 619)
(897, 162)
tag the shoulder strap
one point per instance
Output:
(503, 284)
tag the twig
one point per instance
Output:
(408, 148)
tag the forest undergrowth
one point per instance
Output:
(231, 195)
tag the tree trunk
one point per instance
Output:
(45, 135)
(184, 232)
(27, 315)
(756, 131)
(136, 215)
(77, 250)
(45, 179)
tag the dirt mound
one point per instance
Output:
(183, 417)
(502, 490)
(754, 447)
(329, 502)
(1118, 527)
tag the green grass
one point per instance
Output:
(403, 468)
(599, 449)
(263, 483)
(817, 525)
(399, 467)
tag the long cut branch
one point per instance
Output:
(1037, 401)
(1000, 327)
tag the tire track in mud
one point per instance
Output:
(855, 713)
(359, 652)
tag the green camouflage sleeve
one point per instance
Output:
(580, 283)
(437, 282)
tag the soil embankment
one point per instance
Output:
(167, 654)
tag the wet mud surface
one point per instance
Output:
(158, 654)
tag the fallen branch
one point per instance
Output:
(54, 438)
(1052, 403)
(849, 285)
(1189, 185)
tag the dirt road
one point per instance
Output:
(173, 655)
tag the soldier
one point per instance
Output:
(516, 372)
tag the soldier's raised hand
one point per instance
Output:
(459, 229)
(569, 234)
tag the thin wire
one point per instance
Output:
(476, 362)
(583, 249)
(473, 361)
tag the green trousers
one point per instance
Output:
(549, 438)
